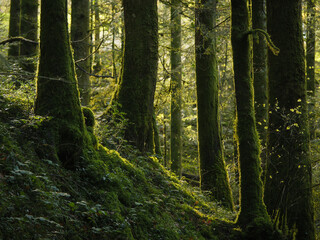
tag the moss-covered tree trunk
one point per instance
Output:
(29, 30)
(310, 60)
(260, 75)
(252, 207)
(80, 42)
(139, 71)
(176, 90)
(57, 91)
(288, 192)
(212, 167)
(14, 23)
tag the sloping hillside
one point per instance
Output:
(110, 198)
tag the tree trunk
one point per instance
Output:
(80, 41)
(288, 192)
(97, 58)
(156, 140)
(139, 71)
(212, 167)
(310, 60)
(28, 30)
(57, 92)
(260, 76)
(176, 88)
(252, 208)
(14, 24)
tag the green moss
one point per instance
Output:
(260, 77)
(57, 91)
(105, 197)
(88, 117)
(251, 192)
(212, 167)
(139, 71)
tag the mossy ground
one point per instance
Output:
(109, 197)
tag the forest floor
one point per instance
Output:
(111, 198)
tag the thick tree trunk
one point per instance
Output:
(310, 60)
(29, 30)
(80, 41)
(14, 24)
(176, 88)
(251, 193)
(260, 75)
(212, 167)
(288, 193)
(57, 92)
(139, 71)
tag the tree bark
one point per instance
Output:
(97, 59)
(28, 30)
(212, 167)
(176, 88)
(260, 75)
(14, 24)
(310, 60)
(252, 208)
(57, 92)
(139, 70)
(80, 41)
(288, 192)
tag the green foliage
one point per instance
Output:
(109, 197)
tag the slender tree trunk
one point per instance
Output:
(157, 149)
(80, 41)
(57, 92)
(14, 24)
(212, 167)
(114, 65)
(260, 75)
(165, 144)
(288, 193)
(139, 71)
(252, 208)
(97, 58)
(176, 88)
(91, 35)
(310, 59)
(29, 30)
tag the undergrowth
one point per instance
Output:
(108, 198)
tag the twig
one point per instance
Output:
(93, 75)
(83, 59)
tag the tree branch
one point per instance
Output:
(270, 44)
(93, 75)
(18, 39)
